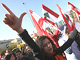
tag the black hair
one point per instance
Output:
(9, 56)
(18, 51)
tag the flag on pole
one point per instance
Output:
(72, 7)
(49, 15)
(39, 29)
(35, 19)
(65, 18)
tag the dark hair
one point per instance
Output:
(18, 51)
(39, 42)
(9, 56)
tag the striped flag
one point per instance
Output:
(35, 19)
(72, 7)
(65, 18)
(49, 15)
(39, 29)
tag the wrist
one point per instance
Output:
(19, 30)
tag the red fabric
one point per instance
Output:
(46, 20)
(74, 8)
(71, 23)
(71, 5)
(58, 57)
(50, 11)
(0, 56)
(64, 17)
(40, 22)
(38, 28)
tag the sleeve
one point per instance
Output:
(28, 40)
(78, 41)
(68, 42)
(33, 46)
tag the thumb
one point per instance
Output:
(22, 15)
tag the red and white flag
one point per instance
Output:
(65, 18)
(72, 7)
(49, 15)
(39, 29)
(36, 22)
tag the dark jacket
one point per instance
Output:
(30, 42)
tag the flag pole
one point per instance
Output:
(24, 3)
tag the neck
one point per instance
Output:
(51, 54)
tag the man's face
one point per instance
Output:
(9, 51)
(75, 17)
(19, 55)
(67, 30)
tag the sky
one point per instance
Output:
(17, 8)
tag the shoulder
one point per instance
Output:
(25, 58)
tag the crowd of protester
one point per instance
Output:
(19, 54)
(43, 48)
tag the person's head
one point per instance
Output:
(18, 54)
(11, 57)
(74, 15)
(67, 30)
(27, 50)
(9, 51)
(45, 44)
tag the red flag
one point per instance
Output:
(74, 8)
(64, 18)
(50, 11)
(35, 17)
(40, 22)
(49, 15)
(39, 29)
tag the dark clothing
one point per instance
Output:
(30, 42)
(78, 41)
(24, 58)
(25, 36)
(8, 57)
(29, 56)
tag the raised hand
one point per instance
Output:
(12, 20)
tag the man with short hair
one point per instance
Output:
(20, 56)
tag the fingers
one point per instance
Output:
(22, 15)
(7, 20)
(7, 8)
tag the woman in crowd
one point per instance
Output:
(44, 49)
